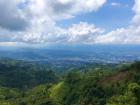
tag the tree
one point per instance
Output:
(130, 97)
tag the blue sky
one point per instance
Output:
(69, 22)
(109, 16)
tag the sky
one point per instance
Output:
(69, 22)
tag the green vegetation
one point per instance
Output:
(23, 83)
(24, 75)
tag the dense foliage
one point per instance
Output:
(22, 75)
(29, 84)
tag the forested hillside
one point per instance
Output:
(24, 75)
(26, 83)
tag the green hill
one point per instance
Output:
(94, 87)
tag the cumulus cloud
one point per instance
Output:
(15, 14)
(63, 9)
(130, 35)
(76, 33)
(11, 17)
(34, 21)
(83, 32)
(136, 8)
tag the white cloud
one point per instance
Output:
(69, 8)
(11, 17)
(17, 13)
(34, 21)
(136, 8)
(83, 32)
(77, 33)
(8, 44)
(115, 4)
(130, 35)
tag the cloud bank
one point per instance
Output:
(35, 21)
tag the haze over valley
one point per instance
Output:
(69, 52)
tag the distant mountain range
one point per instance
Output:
(65, 55)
